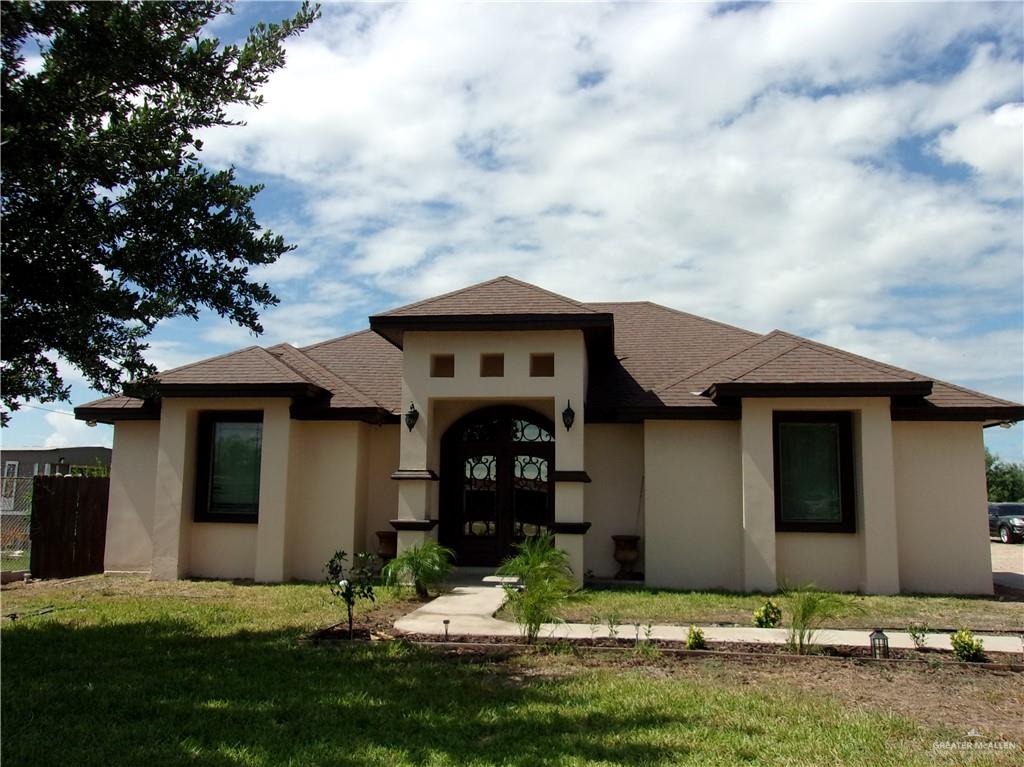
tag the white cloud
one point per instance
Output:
(165, 355)
(68, 432)
(751, 166)
(993, 144)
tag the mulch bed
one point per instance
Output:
(741, 650)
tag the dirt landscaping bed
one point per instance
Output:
(1012, 662)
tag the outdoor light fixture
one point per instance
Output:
(568, 415)
(446, 622)
(412, 416)
(879, 644)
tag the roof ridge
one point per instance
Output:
(717, 361)
(721, 324)
(783, 353)
(208, 359)
(858, 358)
(280, 363)
(501, 278)
(353, 334)
(344, 382)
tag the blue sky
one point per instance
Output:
(851, 173)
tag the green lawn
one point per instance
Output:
(11, 561)
(128, 672)
(704, 607)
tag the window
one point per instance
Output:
(10, 484)
(492, 365)
(228, 471)
(542, 365)
(442, 366)
(814, 472)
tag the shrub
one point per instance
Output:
(809, 608)
(544, 583)
(353, 585)
(918, 634)
(966, 648)
(695, 639)
(425, 566)
(768, 615)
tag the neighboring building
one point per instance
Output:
(744, 461)
(29, 462)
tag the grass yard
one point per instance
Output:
(706, 607)
(15, 560)
(124, 671)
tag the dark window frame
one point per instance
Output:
(847, 496)
(204, 464)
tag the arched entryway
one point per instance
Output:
(497, 483)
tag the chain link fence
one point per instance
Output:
(15, 523)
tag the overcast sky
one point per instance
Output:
(848, 173)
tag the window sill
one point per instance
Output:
(803, 527)
(238, 519)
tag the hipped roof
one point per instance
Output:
(646, 361)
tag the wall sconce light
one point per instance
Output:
(568, 416)
(412, 416)
(879, 644)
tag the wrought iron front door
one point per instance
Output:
(496, 483)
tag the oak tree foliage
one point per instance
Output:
(111, 222)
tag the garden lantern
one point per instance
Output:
(446, 622)
(879, 644)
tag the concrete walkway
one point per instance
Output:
(471, 605)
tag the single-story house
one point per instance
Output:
(743, 461)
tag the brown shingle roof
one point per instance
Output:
(665, 364)
(365, 361)
(251, 365)
(502, 295)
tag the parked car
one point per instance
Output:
(1006, 521)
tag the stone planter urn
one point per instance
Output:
(627, 552)
(387, 545)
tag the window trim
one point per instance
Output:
(847, 496)
(204, 456)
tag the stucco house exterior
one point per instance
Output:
(743, 461)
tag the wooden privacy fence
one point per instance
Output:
(69, 525)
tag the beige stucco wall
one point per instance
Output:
(327, 468)
(826, 560)
(129, 544)
(692, 504)
(220, 550)
(381, 491)
(866, 560)
(611, 501)
(941, 508)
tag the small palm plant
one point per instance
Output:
(809, 608)
(425, 566)
(545, 582)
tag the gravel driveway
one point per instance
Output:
(1008, 564)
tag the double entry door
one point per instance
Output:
(496, 483)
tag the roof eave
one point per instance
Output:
(371, 415)
(301, 390)
(110, 415)
(731, 390)
(990, 414)
(393, 328)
